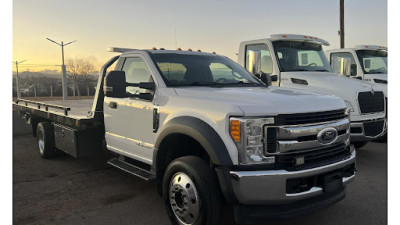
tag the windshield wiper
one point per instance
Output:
(241, 83)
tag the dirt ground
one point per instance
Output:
(88, 191)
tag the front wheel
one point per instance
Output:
(191, 192)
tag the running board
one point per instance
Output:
(132, 169)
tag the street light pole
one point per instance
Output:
(17, 79)
(64, 71)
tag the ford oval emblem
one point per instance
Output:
(327, 136)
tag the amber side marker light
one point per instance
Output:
(235, 130)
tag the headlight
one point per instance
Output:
(349, 106)
(248, 137)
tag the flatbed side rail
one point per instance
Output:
(41, 105)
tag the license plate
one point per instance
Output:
(333, 182)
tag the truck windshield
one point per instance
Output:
(373, 62)
(300, 56)
(201, 70)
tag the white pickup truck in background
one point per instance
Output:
(298, 61)
(207, 131)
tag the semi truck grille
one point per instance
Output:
(304, 118)
(372, 129)
(371, 103)
(312, 158)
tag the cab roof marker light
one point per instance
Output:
(298, 37)
(121, 50)
(189, 49)
(214, 53)
(179, 49)
(154, 48)
(162, 48)
(371, 47)
(198, 50)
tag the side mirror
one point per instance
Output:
(341, 65)
(274, 77)
(115, 84)
(266, 79)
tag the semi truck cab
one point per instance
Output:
(299, 62)
(366, 62)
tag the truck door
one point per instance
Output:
(130, 127)
(259, 60)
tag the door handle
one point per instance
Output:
(112, 105)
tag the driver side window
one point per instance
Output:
(136, 71)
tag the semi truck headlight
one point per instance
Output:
(248, 136)
(349, 106)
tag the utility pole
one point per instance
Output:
(64, 71)
(341, 32)
(17, 79)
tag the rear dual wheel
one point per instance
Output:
(45, 140)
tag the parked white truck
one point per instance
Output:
(299, 62)
(207, 131)
(367, 62)
(363, 62)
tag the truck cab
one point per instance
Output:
(366, 62)
(299, 62)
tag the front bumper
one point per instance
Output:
(269, 188)
(358, 131)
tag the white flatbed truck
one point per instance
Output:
(207, 131)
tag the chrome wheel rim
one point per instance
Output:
(184, 199)
(41, 142)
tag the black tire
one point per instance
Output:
(359, 144)
(45, 139)
(206, 185)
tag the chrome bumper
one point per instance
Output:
(269, 187)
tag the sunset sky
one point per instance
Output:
(207, 25)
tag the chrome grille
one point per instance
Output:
(288, 142)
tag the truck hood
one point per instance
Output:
(329, 84)
(258, 101)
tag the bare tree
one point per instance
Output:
(80, 71)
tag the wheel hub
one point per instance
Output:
(40, 142)
(184, 199)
